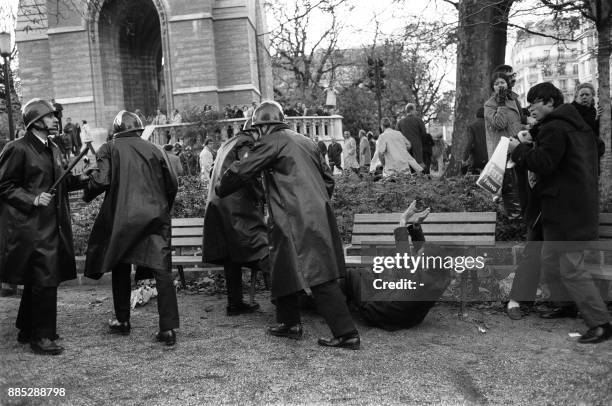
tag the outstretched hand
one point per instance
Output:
(411, 216)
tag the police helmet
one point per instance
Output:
(34, 110)
(268, 112)
(248, 125)
(126, 122)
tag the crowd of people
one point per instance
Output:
(269, 208)
(554, 152)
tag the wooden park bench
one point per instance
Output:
(187, 234)
(470, 230)
(603, 270)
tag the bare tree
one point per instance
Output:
(417, 65)
(300, 60)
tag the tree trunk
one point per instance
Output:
(604, 48)
(481, 36)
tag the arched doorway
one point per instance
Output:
(131, 56)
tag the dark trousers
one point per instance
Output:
(167, 306)
(565, 274)
(38, 312)
(527, 272)
(233, 277)
(426, 164)
(330, 302)
(336, 164)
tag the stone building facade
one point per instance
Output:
(143, 54)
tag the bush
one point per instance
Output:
(395, 194)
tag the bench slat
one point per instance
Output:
(456, 217)
(428, 229)
(605, 231)
(187, 232)
(188, 222)
(605, 218)
(186, 260)
(187, 242)
(444, 239)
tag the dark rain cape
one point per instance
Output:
(35, 242)
(133, 225)
(234, 228)
(305, 245)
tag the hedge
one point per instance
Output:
(351, 196)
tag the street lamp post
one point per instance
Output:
(5, 52)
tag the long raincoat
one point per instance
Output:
(35, 242)
(306, 249)
(133, 225)
(234, 228)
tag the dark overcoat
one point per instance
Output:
(414, 130)
(234, 228)
(305, 245)
(133, 225)
(36, 245)
(564, 158)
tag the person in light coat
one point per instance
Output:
(206, 161)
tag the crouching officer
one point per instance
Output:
(36, 248)
(306, 249)
(133, 225)
(235, 234)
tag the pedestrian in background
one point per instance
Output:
(502, 115)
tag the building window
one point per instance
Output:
(575, 69)
(562, 68)
(562, 84)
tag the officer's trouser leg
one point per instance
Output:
(233, 282)
(288, 309)
(38, 312)
(331, 304)
(122, 291)
(167, 305)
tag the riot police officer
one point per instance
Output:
(133, 225)
(306, 249)
(37, 249)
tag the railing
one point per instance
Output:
(324, 127)
(158, 134)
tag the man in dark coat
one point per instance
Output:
(334, 153)
(235, 234)
(476, 146)
(70, 131)
(413, 128)
(398, 309)
(306, 249)
(564, 160)
(321, 145)
(36, 240)
(189, 161)
(133, 226)
(428, 144)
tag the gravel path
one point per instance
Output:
(221, 359)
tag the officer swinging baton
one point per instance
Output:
(88, 147)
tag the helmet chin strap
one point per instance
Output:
(45, 128)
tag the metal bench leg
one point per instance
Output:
(182, 276)
(253, 280)
(463, 291)
(475, 283)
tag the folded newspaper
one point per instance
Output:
(492, 177)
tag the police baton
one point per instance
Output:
(88, 147)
